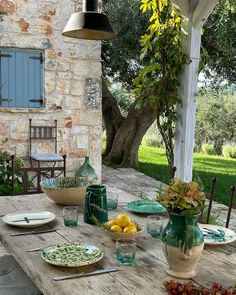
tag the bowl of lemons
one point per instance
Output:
(122, 227)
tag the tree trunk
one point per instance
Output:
(124, 135)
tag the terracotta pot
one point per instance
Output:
(182, 242)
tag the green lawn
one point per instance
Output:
(153, 162)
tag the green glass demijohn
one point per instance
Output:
(86, 170)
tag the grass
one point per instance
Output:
(153, 162)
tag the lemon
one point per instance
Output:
(123, 220)
(131, 229)
(111, 223)
(116, 228)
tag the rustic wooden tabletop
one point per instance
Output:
(145, 277)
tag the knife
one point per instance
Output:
(33, 232)
(28, 219)
(85, 274)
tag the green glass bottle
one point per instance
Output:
(86, 170)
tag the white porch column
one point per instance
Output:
(184, 140)
(185, 129)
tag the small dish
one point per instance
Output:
(146, 207)
(217, 235)
(72, 255)
(29, 219)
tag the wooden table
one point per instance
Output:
(145, 277)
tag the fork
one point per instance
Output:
(230, 251)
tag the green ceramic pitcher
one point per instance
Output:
(95, 205)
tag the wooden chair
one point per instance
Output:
(38, 133)
(233, 190)
(27, 180)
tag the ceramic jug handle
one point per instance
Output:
(89, 194)
(189, 237)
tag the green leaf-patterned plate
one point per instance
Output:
(146, 207)
(72, 255)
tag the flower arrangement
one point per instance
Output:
(184, 198)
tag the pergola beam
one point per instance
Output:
(183, 5)
(202, 11)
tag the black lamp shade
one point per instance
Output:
(89, 25)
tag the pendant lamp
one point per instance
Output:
(89, 24)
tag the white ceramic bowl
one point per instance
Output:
(66, 190)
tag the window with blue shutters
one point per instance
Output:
(21, 78)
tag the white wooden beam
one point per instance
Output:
(185, 128)
(202, 11)
(183, 5)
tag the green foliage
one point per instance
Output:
(120, 57)
(219, 42)
(152, 140)
(157, 82)
(229, 151)
(184, 198)
(216, 118)
(6, 174)
(153, 162)
(214, 216)
(124, 98)
(208, 149)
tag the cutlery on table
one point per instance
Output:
(33, 232)
(85, 274)
(28, 219)
(36, 249)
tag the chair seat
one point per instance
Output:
(13, 280)
(46, 157)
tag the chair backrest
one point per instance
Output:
(40, 132)
(231, 199)
(27, 180)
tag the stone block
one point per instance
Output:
(66, 75)
(78, 153)
(90, 118)
(72, 102)
(79, 129)
(77, 87)
(22, 150)
(63, 86)
(82, 141)
(3, 129)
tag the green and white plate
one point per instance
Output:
(72, 255)
(217, 235)
(146, 207)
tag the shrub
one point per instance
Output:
(208, 149)
(152, 141)
(6, 174)
(229, 151)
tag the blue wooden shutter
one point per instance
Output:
(21, 78)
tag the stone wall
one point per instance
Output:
(72, 79)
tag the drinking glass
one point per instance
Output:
(112, 202)
(125, 251)
(70, 215)
(155, 225)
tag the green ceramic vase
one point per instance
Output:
(182, 243)
(86, 170)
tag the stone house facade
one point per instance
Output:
(71, 81)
